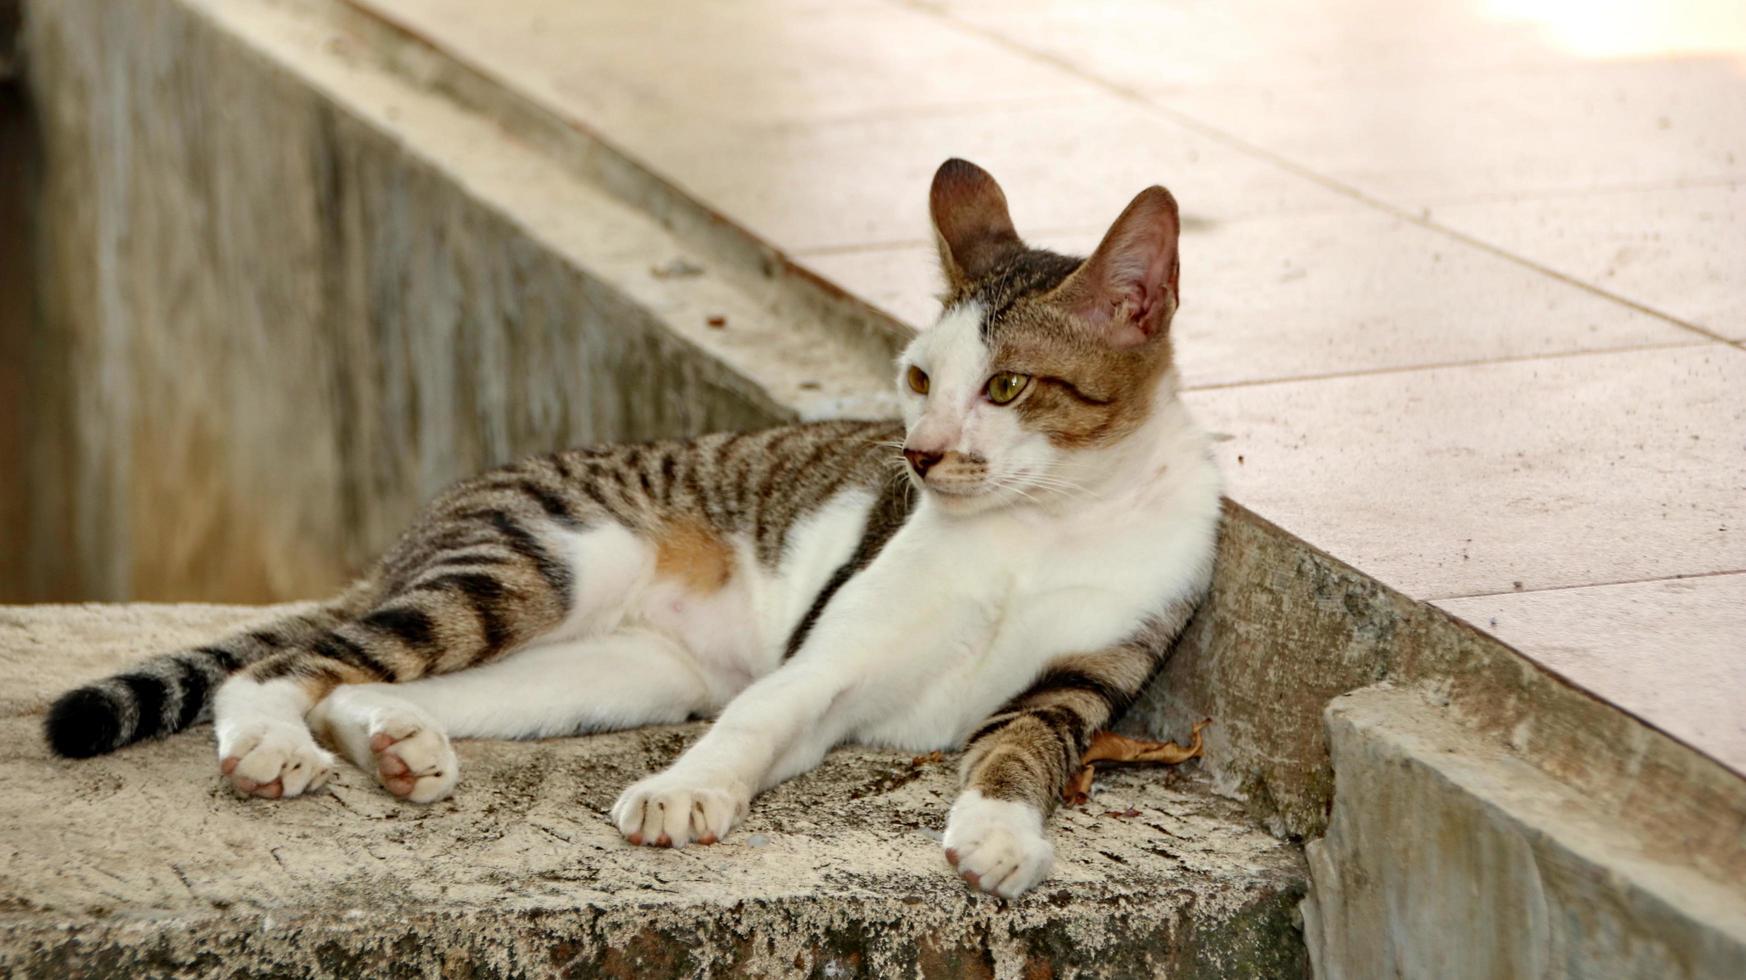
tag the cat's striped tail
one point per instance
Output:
(172, 691)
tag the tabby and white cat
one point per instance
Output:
(1007, 582)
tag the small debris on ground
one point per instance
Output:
(678, 268)
(1108, 747)
(716, 320)
(933, 757)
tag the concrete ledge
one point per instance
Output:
(1287, 628)
(143, 862)
(1448, 856)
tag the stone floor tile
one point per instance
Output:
(1425, 141)
(1531, 474)
(1263, 42)
(1672, 651)
(640, 70)
(865, 181)
(1680, 251)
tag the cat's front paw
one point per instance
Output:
(272, 759)
(674, 808)
(997, 845)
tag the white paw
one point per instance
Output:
(414, 759)
(996, 845)
(272, 759)
(673, 808)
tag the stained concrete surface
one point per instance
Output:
(144, 862)
(1449, 857)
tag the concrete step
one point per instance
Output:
(1449, 856)
(144, 863)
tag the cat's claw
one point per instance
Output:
(414, 761)
(273, 760)
(997, 846)
(672, 810)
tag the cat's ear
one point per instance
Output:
(971, 223)
(1126, 292)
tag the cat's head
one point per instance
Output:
(1040, 364)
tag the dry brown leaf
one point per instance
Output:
(1110, 748)
(933, 757)
(1078, 788)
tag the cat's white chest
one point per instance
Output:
(1029, 594)
(1017, 605)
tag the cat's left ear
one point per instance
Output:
(1126, 292)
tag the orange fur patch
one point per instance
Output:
(692, 553)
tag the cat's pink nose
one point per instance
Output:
(921, 460)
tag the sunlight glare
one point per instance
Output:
(1633, 28)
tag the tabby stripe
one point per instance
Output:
(1074, 392)
(194, 687)
(474, 556)
(772, 488)
(337, 648)
(225, 660)
(771, 540)
(458, 538)
(669, 474)
(632, 461)
(554, 506)
(268, 639)
(1067, 722)
(594, 486)
(991, 726)
(1071, 742)
(482, 593)
(522, 541)
(410, 626)
(149, 694)
(699, 499)
(1069, 679)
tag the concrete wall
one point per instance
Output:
(18, 170)
(267, 331)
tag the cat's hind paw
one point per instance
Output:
(997, 846)
(671, 810)
(273, 760)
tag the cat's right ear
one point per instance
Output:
(971, 223)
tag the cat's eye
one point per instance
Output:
(1005, 386)
(918, 380)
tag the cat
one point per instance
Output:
(1002, 570)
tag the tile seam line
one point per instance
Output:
(1590, 585)
(1597, 190)
(1261, 153)
(1690, 343)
